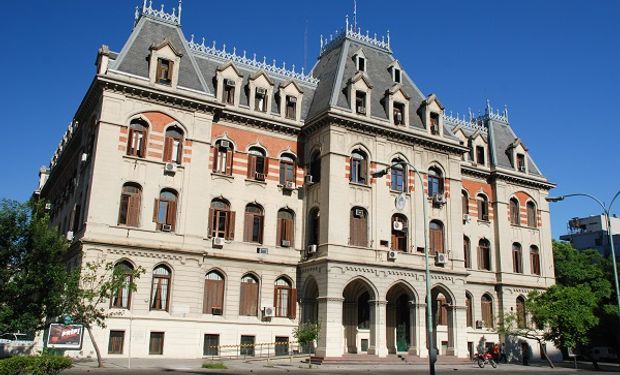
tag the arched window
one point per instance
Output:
(483, 207)
(465, 202)
(514, 211)
(363, 311)
(173, 145)
(286, 228)
(136, 145)
(441, 317)
(521, 321)
(487, 311)
(398, 176)
(469, 310)
(160, 288)
(467, 251)
(122, 297)
(358, 227)
(400, 228)
(484, 255)
(287, 169)
(517, 265)
(531, 215)
(248, 298)
(165, 214)
(534, 260)
(314, 227)
(435, 182)
(253, 227)
(436, 237)
(214, 294)
(129, 209)
(223, 157)
(285, 298)
(315, 167)
(359, 167)
(258, 164)
(221, 220)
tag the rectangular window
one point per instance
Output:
(156, 343)
(223, 160)
(260, 99)
(535, 263)
(434, 123)
(285, 232)
(164, 71)
(253, 231)
(222, 223)
(214, 297)
(291, 107)
(211, 345)
(281, 345)
(247, 345)
(397, 78)
(480, 155)
(282, 298)
(248, 304)
(521, 162)
(399, 114)
(360, 102)
(115, 345)
(165, 214)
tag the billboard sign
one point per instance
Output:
(65, 336)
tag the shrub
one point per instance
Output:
(34, 365)
(216, 365)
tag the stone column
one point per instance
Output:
(378, 343)
(413, 329)
(331, 338)
(451, 329)
(421, 326)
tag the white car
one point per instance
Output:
(7, 338)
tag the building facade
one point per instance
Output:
(591, 233)
(246, 191)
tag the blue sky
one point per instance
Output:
(554, 63)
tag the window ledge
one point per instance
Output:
(223, 175)
(258, 182)
(396, 192)
(486, 222)
(161, 162)
(359, 184)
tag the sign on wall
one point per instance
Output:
(65, 336)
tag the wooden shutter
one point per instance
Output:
(247, 227)
(133, 210)
(292, 308)
(179, 151)
(251, 166)
(281, 231)
(276, 301)
(363, 230)
(212, 223)
(353, 230)
(266, 166)
(260, 219)
(229, 161)
(480, 264)
(171, 213)
(215, 155)
(159, 69)
(468, 313)
(142, 149)
(130, 148)
(207, 302)
(168, 148)
(290, 232)
(155, 210)
(363, 177)
(170, 70)
(230, 227)
(214, 290)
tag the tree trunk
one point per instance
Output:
(543, 351)
(92, 339)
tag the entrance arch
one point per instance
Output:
(401, 319)
(358, 316)
(443, 319)
(309, 303)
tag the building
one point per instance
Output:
(246, 191)
(591, 233)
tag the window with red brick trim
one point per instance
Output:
(358, 227)
(136, 144)
(173, 145)
(287, 169)
(467, 251)
(534, 260)
(514, 211)
(435, 182)
(465, 202)
(258, 164)
(483, 207)
(129, 208)
(223, 157)
(400, 229)
(484, 255)
(436, 237)
(398, 179)
(359, 167)
(531, 214)
(517, 264)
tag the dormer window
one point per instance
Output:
(434, 123)
(164, 72)
(291, 107)
(480, 155)
(361, 64)
(229, 91)
(396, 75)
(399, 113)
(260, 99)
(360, 102)
(521, 162)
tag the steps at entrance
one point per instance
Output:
(360, 359)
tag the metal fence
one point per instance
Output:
(257, 350)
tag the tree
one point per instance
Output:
(89, 291)
(509, 326)
(305, 334)
(32, 266)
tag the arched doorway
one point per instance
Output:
(443, 320)
(400, 319)
(357, 316)
(310, 306)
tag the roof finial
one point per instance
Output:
(346, 23)
(144, 6)
(180, 4)
(488, 109)
(388, 38)
(354, 15)
(506, 111)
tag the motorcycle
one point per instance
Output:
(483, 359)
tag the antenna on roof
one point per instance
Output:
(354, 15)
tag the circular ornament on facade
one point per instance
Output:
(400, 201)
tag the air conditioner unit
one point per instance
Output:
(392, 254)
(70, 235)
(170, 168)
(268, 312)
(262, 250)
(261, 91)
(361, 110)
(397, 225)
(311, 249)
(229, 82)
(479, 324)
(289, 185)
(439, 199)
(286, 243)
(359, 212)
(216, 310)
(308, 179)
(466, 218)
(48, 206)
(166, 228)
(218, 241)
(84, 157)
(441, 258)
(292, 99)
(259, 176)
(225, 144)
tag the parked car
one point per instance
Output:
(7, 338)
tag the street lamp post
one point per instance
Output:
(606, 211)
(429, 307)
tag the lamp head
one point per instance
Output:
(555, 199)
(380, 173)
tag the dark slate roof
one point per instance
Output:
(502, 136)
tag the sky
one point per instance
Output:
(554, 63)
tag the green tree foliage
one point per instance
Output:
(32, 267)
(509, 326)
(306, 334)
